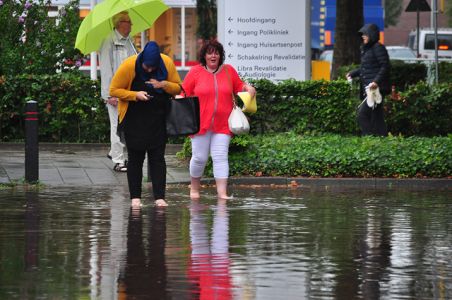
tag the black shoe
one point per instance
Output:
(120, 168)
(109, 156)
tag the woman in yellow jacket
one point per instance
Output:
(144, 84)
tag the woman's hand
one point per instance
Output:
(250, 89)
(373, 85)
(113, 101)
(143, 96)
(157, 84)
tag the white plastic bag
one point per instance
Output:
(373, 96)
(238, 123)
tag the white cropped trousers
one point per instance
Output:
(116, 147)
(217, 144)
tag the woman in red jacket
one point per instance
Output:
(214, 83)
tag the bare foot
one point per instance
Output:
(136, 203)
(160, 203)
(225, 197)
(194, 195)
(195, 185)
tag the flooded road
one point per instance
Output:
(266, 243)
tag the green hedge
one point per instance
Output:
(404, 75)
(290, 154)
(305, 107)
(421, 110)
(330, 107)
(69, 104)
(445, 72)
(70, 108)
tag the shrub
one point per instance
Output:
(445, 72)
(309, 107)
(290, 154)
(305, 107)
(69, 105)
(313, 107)
(405, 74)
(421, 110)
(402, 74)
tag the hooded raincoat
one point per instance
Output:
(375, 67)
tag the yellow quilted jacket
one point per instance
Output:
(122, 81)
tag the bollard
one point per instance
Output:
(31, 142)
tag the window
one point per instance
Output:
(444, 42)
(411, 39)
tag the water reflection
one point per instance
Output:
(31, 231)
(116, 251)
(144, 273)
(209, 262)
(375, 252)
(265, 244)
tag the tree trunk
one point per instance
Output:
(349, 19)
(206, 11)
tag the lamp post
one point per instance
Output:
(93, 55)
(435, 26)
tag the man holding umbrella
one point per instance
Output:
(114, 50)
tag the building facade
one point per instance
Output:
(166, 31)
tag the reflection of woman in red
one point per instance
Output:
(209, 264)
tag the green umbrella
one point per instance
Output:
(98, 23)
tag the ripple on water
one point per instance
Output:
(263, 244)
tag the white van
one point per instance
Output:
(427, 43)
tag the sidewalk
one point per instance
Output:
(78, 165)
(87, 164)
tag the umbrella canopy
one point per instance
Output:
(98, 23)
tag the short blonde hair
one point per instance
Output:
(118, 18)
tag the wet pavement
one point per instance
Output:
(75, 236)
(78, 165)
(267, 243)
(87, 164)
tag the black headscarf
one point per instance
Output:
(150, 56)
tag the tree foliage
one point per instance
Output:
(207, 19)
(393, 9)
(34, 43)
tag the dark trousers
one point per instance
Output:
(371, 121)
(157, 165)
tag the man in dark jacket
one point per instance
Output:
(373, 73)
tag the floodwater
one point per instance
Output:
(266, 243)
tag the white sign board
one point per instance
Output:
(266, 38)
(175, 3)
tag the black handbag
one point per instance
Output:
(182, 118)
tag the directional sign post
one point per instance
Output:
(266, 39)
(417, 6)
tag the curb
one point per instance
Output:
(181, 177)
(170, 148)
(362, 183)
